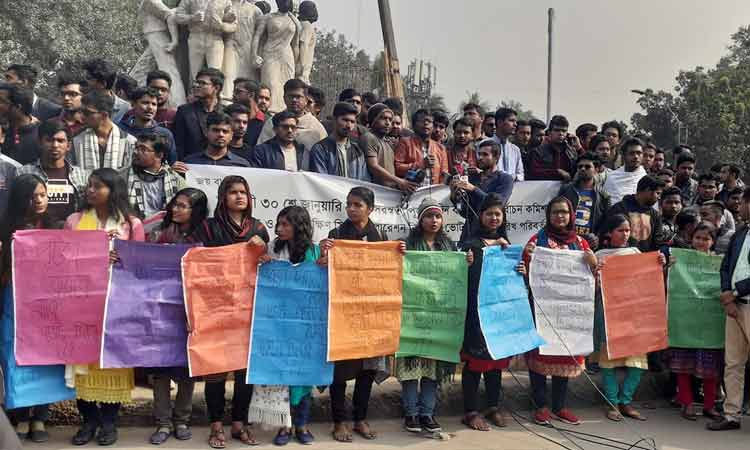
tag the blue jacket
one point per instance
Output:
(128, 125)
(497, 182)
(324, 159)
(270, 155)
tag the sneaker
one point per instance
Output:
(22, 430)
(412, 425)
(542, 416)
(566, 416)
(723, 425)
(429, 424)
(84, 435)
(282, 437)
(304, 437)
(38, 433)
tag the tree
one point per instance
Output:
(712, 104)
(56, 34)
(476, 98)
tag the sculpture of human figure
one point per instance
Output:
(279, 53)
(308, 15)
(238, 46)
(160, 31)
(208, 21)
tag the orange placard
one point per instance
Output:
(219, 287)
(635, 306)
(364, 292)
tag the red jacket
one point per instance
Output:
(408, 156)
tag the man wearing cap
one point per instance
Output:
(380, 159)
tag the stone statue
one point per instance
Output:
(264, 7)
(238, 46)
(308, 15)
(208, 22)
(160, 31)
(278, 55)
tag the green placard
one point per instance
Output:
(434, 305)
(696, 318)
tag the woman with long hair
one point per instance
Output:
(184, 214)
(293, 243)
(559, 233)
(100, 392)
(488, 231)
(421, 377)
(27, 210)
(232, 223)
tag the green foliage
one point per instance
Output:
(57, 34)
(713, 104)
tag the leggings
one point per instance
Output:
(624, 395)
(470, 383)
(685, 391)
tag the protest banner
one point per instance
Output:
(324, 197)
(60, 284)
(696, 318)
(290, 322)
(219, 286)
(144, 317)
(504, 309)
(434, 305)
(364, 306)
(635, 309)
(563, 286)
(27, 385)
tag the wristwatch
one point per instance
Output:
(735, 293)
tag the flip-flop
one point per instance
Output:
(245, 436)
(472, 423)
(342, 437)
(370, 436)
(220, 439)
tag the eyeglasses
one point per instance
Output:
(201, 83)
(181, 206)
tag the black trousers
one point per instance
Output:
(216, 389)
(98, 414)
(539, 391)
(470, 384)
(360, 400)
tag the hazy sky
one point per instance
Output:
(603, 48)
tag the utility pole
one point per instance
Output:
(393, 84)
(550, 29)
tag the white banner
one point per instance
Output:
(563, 288)
(324, 197)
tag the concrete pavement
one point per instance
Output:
(665, 425)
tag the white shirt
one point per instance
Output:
(510, 160)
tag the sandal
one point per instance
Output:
(217, 439)
(341, 433)
(245, 435)
(475, 422)
(629, 411)
(160, 436)
(496, 418)
(363, 429)
(688, 413)
(712, 414)
(614, 415)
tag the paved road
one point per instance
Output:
(664, 425)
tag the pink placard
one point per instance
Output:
(59, 284)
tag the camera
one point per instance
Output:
(416, 176)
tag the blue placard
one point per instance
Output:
(288, 340)
(504, 309)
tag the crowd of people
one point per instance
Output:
(106, 159)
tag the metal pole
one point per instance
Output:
(550, 34)
(393, 84)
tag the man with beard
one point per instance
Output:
(731, 178)
(282, 152)
(380, 155)
(588, 199)
(660, 161)
(240, 115)
(670, 206)
(554, 160)
(69, 87)
(462, 156)
(474, 113)
(468, 195)
(142, 120)
(339, 154)
(244, 93)
(649, 155)
(684, 169)
(585, 132)
(624, 180)
(489, 126)
(645, 221)
(217, 152)
(419, 157)
(440, 125)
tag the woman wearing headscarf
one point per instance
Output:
(559, 233)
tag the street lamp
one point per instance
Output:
(675, 119)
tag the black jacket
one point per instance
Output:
(630, 208)
(45, 109)
(190, 129)
(270, 155)
(599, 206)
(729, 263)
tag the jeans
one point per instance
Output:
(301, 412)
(37, 413)
(470, 384)
(419, 396)
(360, 400)
(98, 414)
(216, 389)
(612, 390)
(539, 391)
(183, 404)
